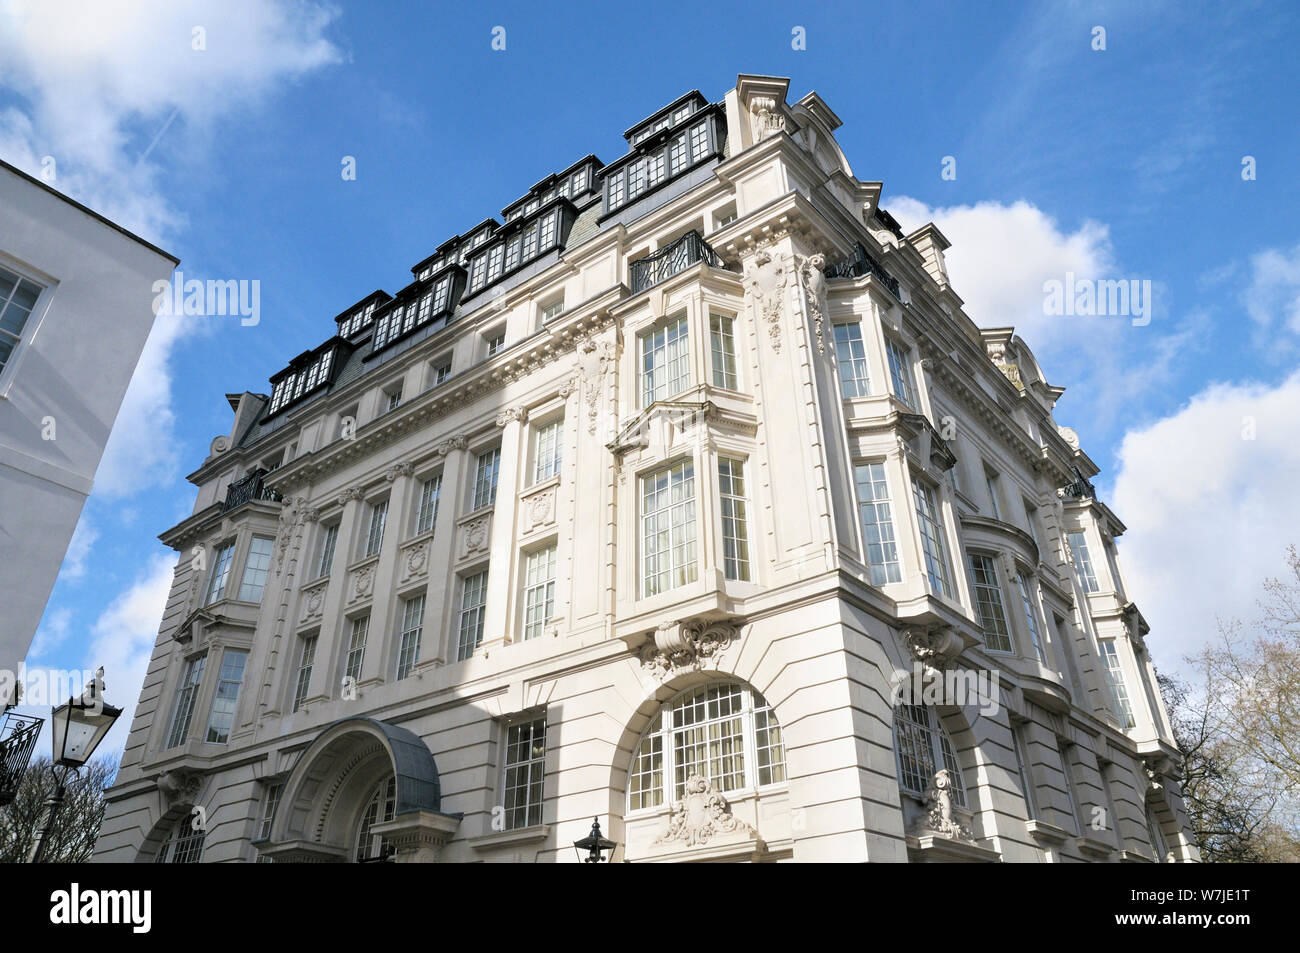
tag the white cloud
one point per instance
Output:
(83, 537)
(51, 634)
(1209, 513)
(122, 641)
(1273, 293)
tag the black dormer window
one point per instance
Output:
(663, 147)
(301, 378)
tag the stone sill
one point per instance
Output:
(947, 849)
(1043, 831)
(511, 838)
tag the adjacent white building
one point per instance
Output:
(667, 498)
(75, 310)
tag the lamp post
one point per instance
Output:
(595, 845)
(76, 728)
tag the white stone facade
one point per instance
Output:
(730, 627)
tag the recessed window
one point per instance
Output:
(539, 590)
(486, 469)
(270, 802)
(229, 680)
(546, 453)
(668, 528)
(923, 748)
(722, 345)
(495, 342)
(724, 732)
(1031, 616)
(1082, 561)
(255, 569)
(1022, 769)
(186, 693)
(302, 678)
(17, 299)
(393, 397)
(473, 607)
(525, 771)
(932, 538)
(550, 311)
(991, 483)
(735, 520)
(441, 372)
(356, 647)
(327, 544)
(184, 844)
(1114, 670)
(900, 372)
(855, 381)
(375, 534)
(665, 361)
(427, 513)
(988, 603)
(412, 625)
(875, 511)
(220, 573)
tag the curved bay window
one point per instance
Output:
(184, 844)
(923, 747)
(379, 808)
(724, 731)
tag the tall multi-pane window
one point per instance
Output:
(375, 534)
(665, 361)
(256, 567)
(1082, 561)
(922, 747)
(186, 693)
(473, 607)
(356, 647)
(546, 453)
(722, 731)
(229, 680)
(408, 652)
(427, 513)
(855, 381)
(900, 372)
(991, 483)
(1066, 749)
(328, 542)
(1022, 768)
(17, 299)
(539, 590)
(668, 528)
(735, 518)
(486, 468)
(988, 603)
(876, 514)
(379, 809)
(220, 573)
(932, 539)
(1159, 846)
(270, 802)
(525, 773)
(1114, 670)
(722, 345)
(1031, 617)
(184, 843)
(302, 678)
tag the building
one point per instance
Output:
(665, 499)
(70, 280)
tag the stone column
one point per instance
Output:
(502, 572)
(439, 611)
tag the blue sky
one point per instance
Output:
(1117, 163)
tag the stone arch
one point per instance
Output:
(326, 791)
(161, 830)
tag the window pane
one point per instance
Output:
(932, 541)
(665, 362)
(852, 357)
(256, 568)
(723, 348)
(525, 770)
(539, 591)
(668, 528)
(988, 603)
(224, 702)
(876, 514)
(473, 607)
(735, 531)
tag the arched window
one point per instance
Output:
(922, 746)
(724, 731)
(184, 844)
(379, 808)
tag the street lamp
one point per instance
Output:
(77, 728)
(594, 844)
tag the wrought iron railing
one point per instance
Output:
(18, 735)
(690, 249)
(250, 487)
(1080, 488)
(860, 265)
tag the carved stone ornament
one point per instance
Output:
(349, 494)
(935, 647)
(455, 442)
(398, 470)
(766, 279)
(415, 559)
(180, 787)
(814, 286)
(689, 646)
(313, 602)
(940, 817)
(997, 351)
(595, 357)
(512, 415)
(567, 388)
(219, 445)
(476, 537)
(767, 117)
(362, 582)
(539, 509)
(700, 815)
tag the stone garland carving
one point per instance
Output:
(476, 537)
(595, 357)
(767, 118)
(540, 508)
(567, 388)
(814, 286)
(699, 815)
(691, 646)
(313, 602)
(940, 817)
(349, 494)
(766, 279)
(293, 514)
(362, 582)
(414, 560)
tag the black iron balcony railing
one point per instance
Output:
(250, 487)
(1080, 488)
(18, 735)
(690, 249)
(860, 265)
